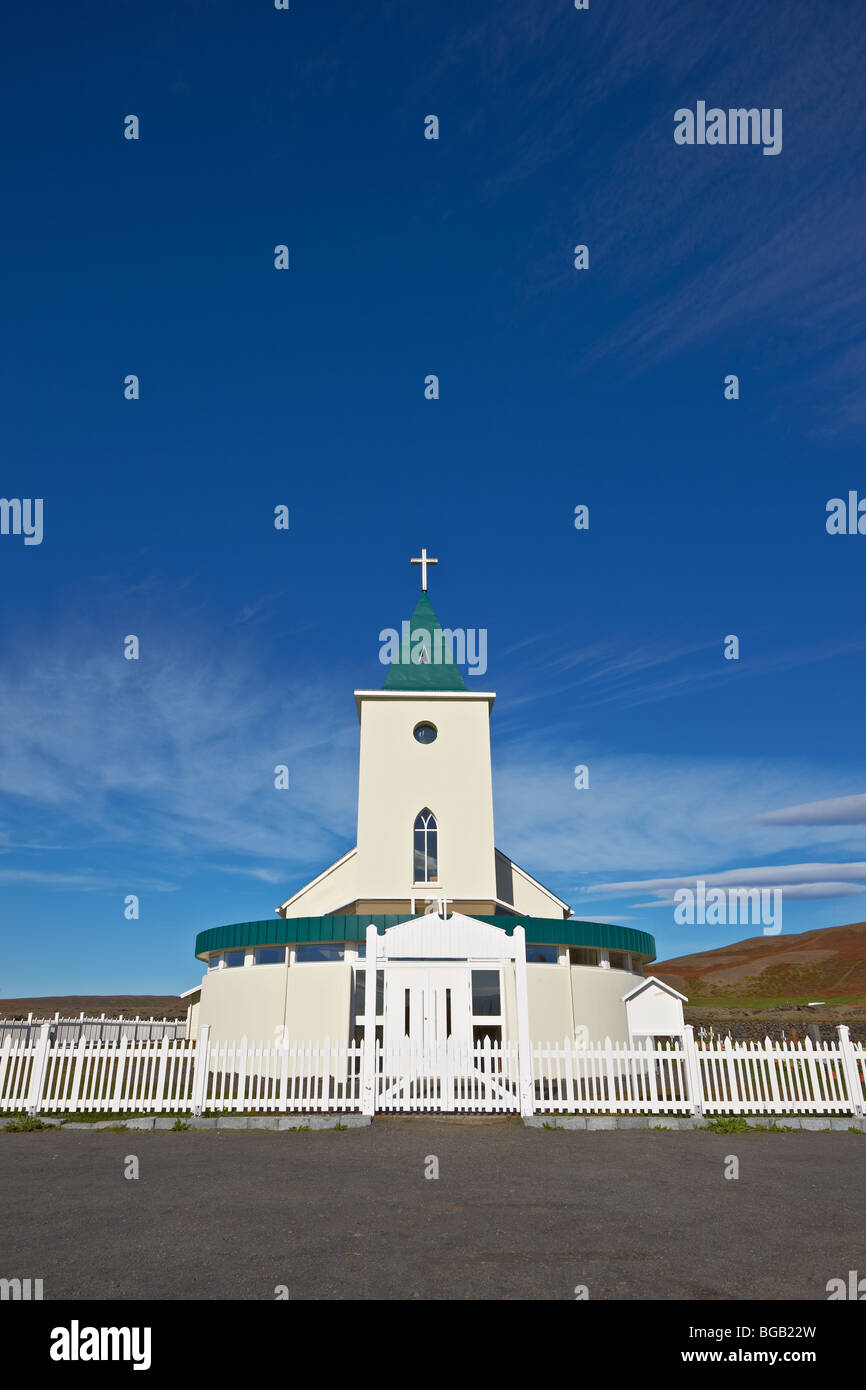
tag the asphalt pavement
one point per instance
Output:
(514, 1213)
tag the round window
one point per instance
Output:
(425, 733)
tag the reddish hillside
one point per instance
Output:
(826, 964)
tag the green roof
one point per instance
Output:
(437, 671)
(282, 931)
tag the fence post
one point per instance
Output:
(851, 1069)
(693, 1070)
(732, 1078)
(161, 1100)
(120, 1075)
(37, 1074)
(368, 1045)
(526, 1079)
(201, 1067)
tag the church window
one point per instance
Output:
(584, 955)
(486, 1007)
(215, 962)
(271, 955)
(619, 960)
(485, 993)
(426, 847)
(323, 950)
(541, 955)
(425, 733)
(234, 958)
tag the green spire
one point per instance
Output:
(436, 671)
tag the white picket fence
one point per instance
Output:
(679, 1076)
(688, 1077)
(114, 1077)
(280, 1077)
(102, 1029)
(611, 1078)
(782, 1079)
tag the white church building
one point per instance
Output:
(467, 943)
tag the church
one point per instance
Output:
(468, 944)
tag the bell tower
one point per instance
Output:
(425, 791)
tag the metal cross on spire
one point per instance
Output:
(424, 560)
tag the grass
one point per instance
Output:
(24, 1123)
(119, 1122)
(728, 1124)
(737, 1124)
(92, 1117)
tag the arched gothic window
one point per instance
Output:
(426, 847)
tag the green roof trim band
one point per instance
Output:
(284, 931)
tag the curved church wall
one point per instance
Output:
(318, 1001)
(244, 1003)
(312, 1001)
(549, 991)
(597, 1001)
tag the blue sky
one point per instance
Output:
(306, 388)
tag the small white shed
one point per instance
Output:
(194, 997)
(654, 1010)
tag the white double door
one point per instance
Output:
(427, 1003)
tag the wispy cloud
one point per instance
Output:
(174, 755)
(721, 243)
(837, 810)
(170, 763)
(755, 877)
(247, 871)
(689, 816)
(796, 882)
(655, 670)
(86, 881)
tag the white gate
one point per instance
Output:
(434, 1054)
(449, 1076)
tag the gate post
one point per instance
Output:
(37, 1074)
(368, 1054)
(526, 1083)
(693, 1070)
(851, 1070)
(201, 1068)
